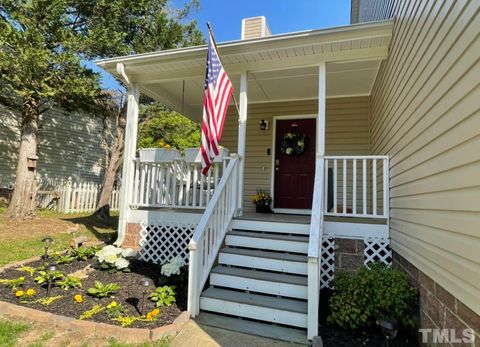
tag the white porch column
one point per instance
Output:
(322, 94)
(242, 137)
(133, 96)
(315, 262)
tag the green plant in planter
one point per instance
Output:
(27, 269)
(96, 309)
(44, 301)
(376, 292)
(45, 277)
(64, 259)
(163, 296)
(101, 290)
(69, 282)
(84, 253)
(13, 283)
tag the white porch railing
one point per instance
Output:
(314, 251)
(356, 186)
(210, 232)
(176, 183)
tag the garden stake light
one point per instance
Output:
(47, 241)
(50, 268)
(145, 283)
(389, 329)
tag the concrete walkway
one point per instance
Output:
(195, 335)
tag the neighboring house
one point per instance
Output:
(389, 112)
(69, 146)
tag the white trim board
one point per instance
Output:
(359, 231)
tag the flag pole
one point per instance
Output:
(220, 58)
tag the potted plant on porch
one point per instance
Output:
(262, 201)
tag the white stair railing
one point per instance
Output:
(314, 250)
(210, 232)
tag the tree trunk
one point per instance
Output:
(114, 163)
(23, 202)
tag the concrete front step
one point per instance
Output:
(255, 306)
(267, 241)
(276, 332)
(260, 281)
(264, 260)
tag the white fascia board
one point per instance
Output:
(296, 39)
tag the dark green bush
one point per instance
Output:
(359, 299)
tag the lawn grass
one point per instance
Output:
(160, 343)
(10, 332)
(22, 240)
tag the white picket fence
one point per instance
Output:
(67, 196)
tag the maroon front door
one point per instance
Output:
(294, 173)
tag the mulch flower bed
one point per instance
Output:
(129, 296)
(333, 336)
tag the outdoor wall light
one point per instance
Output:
(263, 124)
(47, 242)
(145, 283)
(50, 268)
(389, 329)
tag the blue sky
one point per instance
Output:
(282, 16)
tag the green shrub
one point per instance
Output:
(48, 276)
(69, 282)
(103, 290)
(13, 283)
(84, 253)
(163, 296)
(376, 292)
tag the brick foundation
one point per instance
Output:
(133, 236)
(349, 254)
(438, 309)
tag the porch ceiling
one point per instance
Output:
(281, 67)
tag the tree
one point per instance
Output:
(160, 126)
(43, 47)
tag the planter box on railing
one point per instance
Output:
(194, 155)
(159, 155)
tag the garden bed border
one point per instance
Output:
(88, 327)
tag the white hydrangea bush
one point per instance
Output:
(115, 258)
(173, 267)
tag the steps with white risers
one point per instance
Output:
(267, 241)
(255, 306)
(264, 260)
(261, 273)
(272, 283)
(277, 227)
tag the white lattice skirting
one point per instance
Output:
(377, 250)
(160, 242)
(328, 262)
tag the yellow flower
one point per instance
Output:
(31, 292)
(112, 304)
(155, 312)
(167, 146)
(78, 298)
(149, 316)
(19, 293)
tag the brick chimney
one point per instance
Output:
(255, 27)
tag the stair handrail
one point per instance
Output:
(210, 232)
(314, 248)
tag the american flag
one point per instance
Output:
(218, 91)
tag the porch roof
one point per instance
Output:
(281, 67)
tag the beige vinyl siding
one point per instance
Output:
(347, 126)
(425, 114)
(69, 145)
(252, 28)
